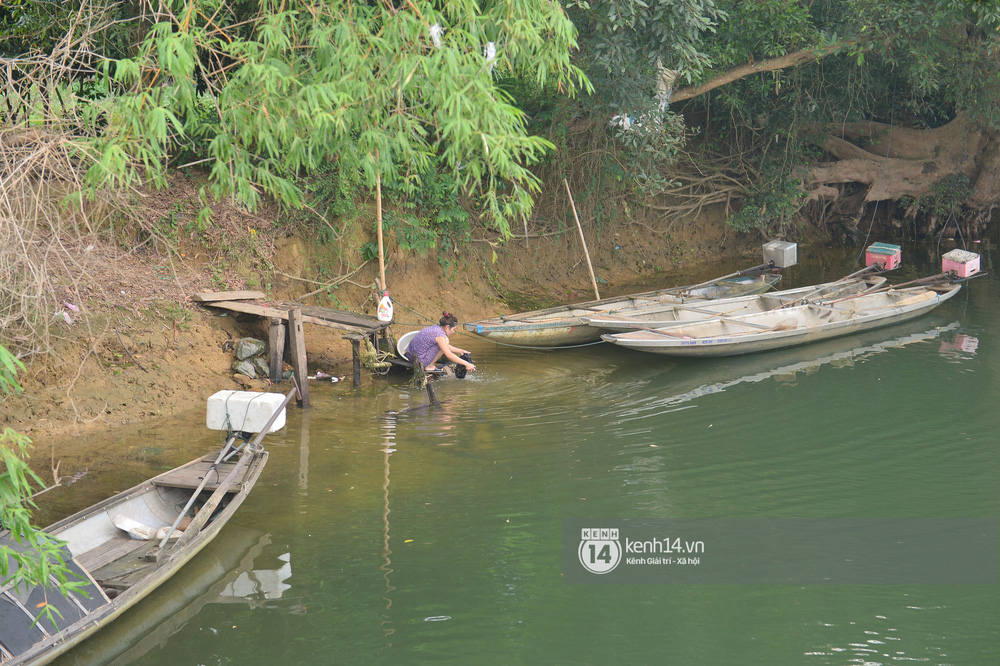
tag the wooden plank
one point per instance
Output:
(297, 340)
(250, 308)
(108, 552)
(276, 341)
(210, 296)
(338, 316)
(191, 476)
(128, 568)
(265, 311)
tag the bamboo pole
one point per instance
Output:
(586, 253)
(378, 215)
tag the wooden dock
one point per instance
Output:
(289, 317)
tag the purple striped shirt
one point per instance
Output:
(424, 344)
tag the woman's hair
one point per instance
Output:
(448, 319)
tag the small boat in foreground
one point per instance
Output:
(124, 547)
(789, 326)
(563, 326)
(657, 316)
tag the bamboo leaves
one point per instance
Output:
(267, 97)
(37, 557)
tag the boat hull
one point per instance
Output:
(786, 328)
(83, 533)
(563, 326)
(631, 319)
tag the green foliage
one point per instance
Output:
(9, 366)
(170, 224)
(379, 90)
(369, 251)
(771, 205)
(651, 146)
(331, 193)
(946, 197)
(430, 217)
(39, 557)
(764, 29)
(624, 36)
(625, 46)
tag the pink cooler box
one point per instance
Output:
(887, 255)
(961, 262)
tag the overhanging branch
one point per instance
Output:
(770, 65)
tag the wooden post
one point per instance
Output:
(356, 349)
(420, 377)
(430, 394)
(297, 339)
(276, 342)
(583, 240)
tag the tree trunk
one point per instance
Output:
(898, 161)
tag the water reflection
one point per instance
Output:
(221, 573)
(388, 432)
(258, 586)
(687, 381)
(304, 454)
(961, 346)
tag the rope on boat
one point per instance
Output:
(228, 433)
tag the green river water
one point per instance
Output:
(387, 531)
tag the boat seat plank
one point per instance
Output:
(108, 552)
(190, 476)
(129, 567)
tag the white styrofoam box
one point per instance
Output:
(244, 411)
(781, 253)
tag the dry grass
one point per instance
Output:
(43, 240)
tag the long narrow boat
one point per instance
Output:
(658, 316)
(787, 327)
(562, 326)
(124, 547)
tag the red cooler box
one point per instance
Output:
(885, 254)
(961, 262)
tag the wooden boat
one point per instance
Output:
(118, 569)
(656, 316)
(204, 580)
(562, 326)
(790, 326)
(675, 381)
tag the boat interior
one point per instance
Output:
(107, 549)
